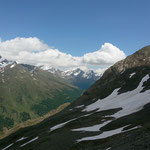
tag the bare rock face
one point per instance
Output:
(138, 59)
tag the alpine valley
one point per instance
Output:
(113, 114)
(28, 92)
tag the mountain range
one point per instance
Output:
(113, 114)
(78, 77)
(27, 92)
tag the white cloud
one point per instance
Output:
(107, 55)
(33, 51)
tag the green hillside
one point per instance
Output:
(27, 92)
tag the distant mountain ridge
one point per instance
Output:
(78, 77)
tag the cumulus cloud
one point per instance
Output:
(35, 52)
(108, 54)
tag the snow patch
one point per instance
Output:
(63, 124)
(13, 65)
(87, 115)
(107, 134)
(29, 141)
(92, 128)
(132, 74)
(130, 102)
(108, 148)
(79, 106)
(21, 139)
(60, 125)
(76, 73)
(8, 146)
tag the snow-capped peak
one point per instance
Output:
(5, 62)
(74, 72)
(82, 73)
(45, 67)
(52, 70)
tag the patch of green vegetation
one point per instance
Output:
(6, 122)
(29, 92)
(24, 116)
(59, 98)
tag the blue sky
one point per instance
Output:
(78, 26)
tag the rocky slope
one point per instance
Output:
(113, 114)
(27, 92)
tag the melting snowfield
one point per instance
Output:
(130, 102)
(106, 134)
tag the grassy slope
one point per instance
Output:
(32, 93)
(32, 122)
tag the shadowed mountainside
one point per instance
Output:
(111, 114)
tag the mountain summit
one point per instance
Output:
(113, 114)
(138, 59)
